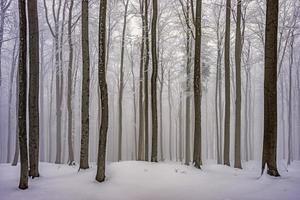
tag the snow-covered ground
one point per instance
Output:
(150, 181)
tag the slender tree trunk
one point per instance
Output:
(290, 120)
(154, 81)
(197, 158)
(227, 86)
(238, 53)
(103, 91)
(84, 150)
(23, 184)
(161, 110)
(69, 97)
(11, 81)
(33, 88)
(121, 86)
(270, 90)
(180, 145)
(170, 114)
(141, 96)
(188, 87)
(134, 105)
(146, 87)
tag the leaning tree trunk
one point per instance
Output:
(23, 184)
(197, 160)
(154, 82)
(238, 53)
(270, 90)
(69, 97)
(121, 86)
(84, 150)
(33, 88)
(103, 91)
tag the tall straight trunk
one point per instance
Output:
(238, 53)
(69, 97)
(161, 109)
(121, 86)
(134, 105)
(154, 81)
(141, 96)
(188, 87)
(290, 120)
(44, 135)
(227, 86)
(141, 142)
(84, 150)
(33, 88)
(23, 184)
(170, 114)
(103, 91)
(146, 65)
(270, 90)
(197, 158)
(11, 83)
(180, 137)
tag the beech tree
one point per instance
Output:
(269, 157)
(23, 184)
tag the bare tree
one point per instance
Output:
(103, 91)
(23, 184)
(84, 150)
(33, 88)
(270, 90)
(238, 53)
(197, 160)
(121, 82)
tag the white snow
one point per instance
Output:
(152, 181)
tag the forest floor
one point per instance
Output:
(150, 181)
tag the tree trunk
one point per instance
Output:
(23, 184)
(69, 97)
(270, 90)
(141, 113)
(290, 120)
(11, 81)
(103, 91)
(154, 82)
(146, 63)
(121, 86)
(84, 150)
(238, 53)
(188, 87)
(33, 88)
(227, 86)
(161, 109)
(197, 158)
(170, 114)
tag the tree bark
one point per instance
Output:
(33, 88)
(227, 86)
(197, 158)
(154, 82)
(170, 114)
(188, 87)
(69, 97)
(146, 87)
(238, 53)
(270, 90)
(23, 184)
(84, 150)
(121, 86)
(103, 91)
